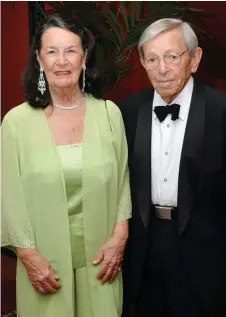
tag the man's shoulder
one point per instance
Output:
(215, 91)
(134, 101)
(215, 97)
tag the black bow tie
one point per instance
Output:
(163, 111)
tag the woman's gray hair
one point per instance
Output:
(163, 25)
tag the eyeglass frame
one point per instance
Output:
(158, 59)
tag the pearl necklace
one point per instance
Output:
(71, 107)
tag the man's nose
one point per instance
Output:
(162, 67)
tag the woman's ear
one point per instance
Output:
(38, 59)
(85, 59)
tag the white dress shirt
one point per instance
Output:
(167, 142)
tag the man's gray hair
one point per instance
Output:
(163, 25)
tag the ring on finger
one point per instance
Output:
(118, 269)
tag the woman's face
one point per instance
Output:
(61, 57)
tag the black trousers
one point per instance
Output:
(166, 290)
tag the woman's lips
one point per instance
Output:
(63, 73)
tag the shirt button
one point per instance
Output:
(166, 153)
(168, 125)
(165, 179)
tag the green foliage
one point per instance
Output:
(117, 27)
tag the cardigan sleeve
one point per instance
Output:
(124, 210)
(16, 226)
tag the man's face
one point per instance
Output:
(173, 63)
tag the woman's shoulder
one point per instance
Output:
(112, 108)
(19, 112)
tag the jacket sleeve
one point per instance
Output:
(16, 226)
(124, 197)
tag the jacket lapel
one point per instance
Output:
(142, 159)
(190, 164)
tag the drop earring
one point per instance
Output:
(84, 78)
(41, 81)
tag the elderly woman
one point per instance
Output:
(66, 195)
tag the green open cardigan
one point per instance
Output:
(34, 212)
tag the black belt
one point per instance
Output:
(164, 212)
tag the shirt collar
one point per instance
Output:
(183, 99)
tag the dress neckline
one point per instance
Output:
(69, 145)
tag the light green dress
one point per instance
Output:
(71, 158)
(35, 205)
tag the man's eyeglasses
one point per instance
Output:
(170, 59)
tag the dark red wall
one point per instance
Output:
(15, 45)
(14, 53)
(213, 23)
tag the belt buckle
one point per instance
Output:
(165, 213)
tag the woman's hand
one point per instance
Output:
(111, 253)
(40, 272)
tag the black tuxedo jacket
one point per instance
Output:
(201, 194)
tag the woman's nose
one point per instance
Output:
(61, 59)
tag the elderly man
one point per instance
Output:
(175, 264)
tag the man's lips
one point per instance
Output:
(164, 81)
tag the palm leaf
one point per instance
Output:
(113, 18)
(138, 9)
(40, 9)
(111, 21)
(132, 13)
(117, 28)
(56, 5)
(124, 14)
